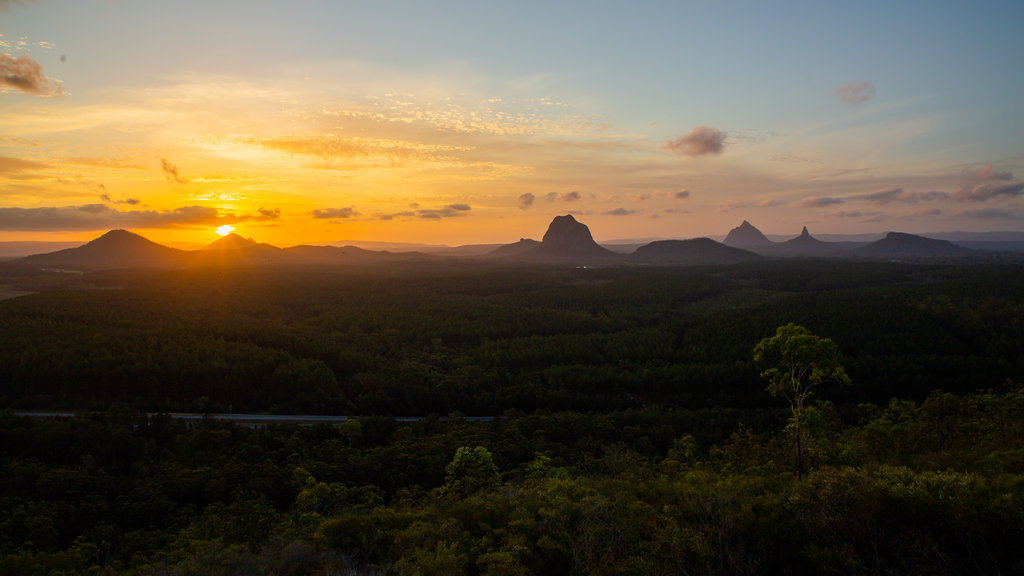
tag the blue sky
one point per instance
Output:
(458, 122)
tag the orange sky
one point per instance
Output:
(318, 123)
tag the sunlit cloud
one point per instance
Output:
(347, 212)
(171, 172)
(856, 93)
(526, 200)
(102, 217)
(25, 75)
(449, 211)
(703, 140)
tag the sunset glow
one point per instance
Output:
(477, 123)
(225, 230)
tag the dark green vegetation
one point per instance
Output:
(635, 434)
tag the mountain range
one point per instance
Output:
(566, 242)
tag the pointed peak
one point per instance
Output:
(746, 235)
(805, 233)
(230, 241)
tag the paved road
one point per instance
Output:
(255, 418)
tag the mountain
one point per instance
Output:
(804, 246)
(115, 249)
(695, 252)
(900, 245)
(565, 242)
(230, 242)
(746, 236)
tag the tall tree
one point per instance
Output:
(795, 363)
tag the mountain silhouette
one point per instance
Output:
(231, 241)
(804, 246)
(114, 249)
(694, 252)
(746, 236)
(902, 245)
(565, 242)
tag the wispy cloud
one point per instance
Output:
(326, 213)
(703, 140)
(9, 165)
(566, 197)
(891, 195)
(25, 75)
(449, 211)
(820, 202)
(856, 93)
(171, 172)
(988, 191)
(991, 214)
(987, 172)
(619, 212)
(526, 200)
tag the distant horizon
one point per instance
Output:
(20, 248)
(475, 123)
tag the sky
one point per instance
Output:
(450, 122)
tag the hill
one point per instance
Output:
(902, 245)
(698, 251)
(114, 249)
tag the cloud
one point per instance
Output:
(619, 212)
(526, 200)
(102, 217)
(676, 211)
(816, 202)
(641, 197)
(891, 195)
(990, 214)
(566, 197)
(854, 93)
(335, 213)
(701, 141)
(268, 214)
(10, 166)
(987, 173)
(129, 201)
(171, 171)
(681, 195)
(987, 191)
(449, 211)
(26, 75)
(771, 203)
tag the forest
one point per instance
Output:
(633, 431)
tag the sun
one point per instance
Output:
(225, 229)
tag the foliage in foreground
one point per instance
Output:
(910, 488)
